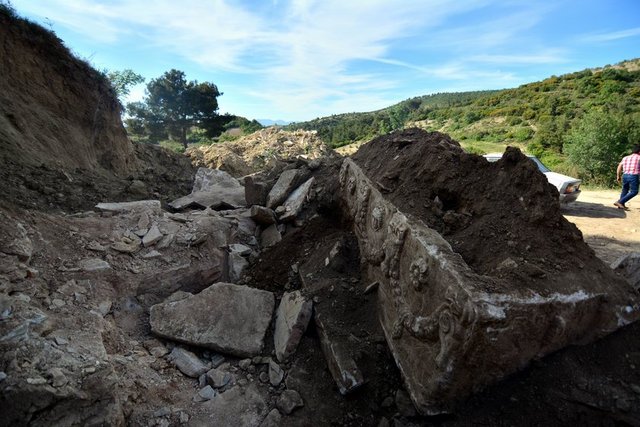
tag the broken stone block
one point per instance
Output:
(292, 319)
(289, 401)
(224, 317)
(283, 186)
(237, 264)
(205, 393)
(242, 250)
(255, 190)
(294, 203)
(262, 215)
(187, 362)
(214, 189)
(126, 248)
(139, 206)
(452, 331)
(270, 236)
(218, 378)
(152, 237)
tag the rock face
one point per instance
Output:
(212, 188)
(224, 317)
(450, 330)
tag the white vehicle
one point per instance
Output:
(568, 187)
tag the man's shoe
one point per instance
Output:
(618, 205)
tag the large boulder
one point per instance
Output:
(224, 317)
(212, 189)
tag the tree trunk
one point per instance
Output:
(183, 136)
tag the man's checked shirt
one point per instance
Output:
(631, 164)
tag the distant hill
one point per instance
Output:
(536, 113)
(269, 122)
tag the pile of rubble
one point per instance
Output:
(265, 300)
(259, 151)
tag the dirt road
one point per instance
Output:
(610, 231)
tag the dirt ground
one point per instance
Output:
(610, 231)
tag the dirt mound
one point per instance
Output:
(258, 151)
(503, 218)
(62, 143)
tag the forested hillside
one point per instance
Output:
(578, 122)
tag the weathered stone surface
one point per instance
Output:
(152, 237)
(94, 264)
(15, 241)
(629, 267)
(187, 362)
(237, 264)
(448, 333)
(276, 374)
(270, 236)
(255, 190)
(224, 317)
(212, 188)
(218, 378)
(292, 319)
(283, 186)
(289, 401)
(240, 249)
(235, 407)
(343, 368)
(294, 203)
(273, 419)
(262, 215)
(139, 206)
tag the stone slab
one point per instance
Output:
(450, 330)
(224, 317)
(283, 186)
(139, 206)
(292, 319)
(294, 203)
(212, 189)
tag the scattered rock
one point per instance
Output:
(294, 203)
(255, 190)
(234, 407)
(288, 401)
(262, 215)
(237, 264)
(205, 393)
(152, 237)
(273, 419)
(218, 378)
(187, 362)
(214, 189)
(270, 236)
(128, 207)
(276, 374)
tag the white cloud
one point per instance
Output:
(611, 36)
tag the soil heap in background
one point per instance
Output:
(496, 215)
(62, 143)
(258, 151)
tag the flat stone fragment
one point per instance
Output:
(224, 317)
(283, 186)
(212, 188)
(294, 203)
(276, 374)
(343, 368)
(139, 206)
(187, 362)
(152, 237)
(255, 191)
(447, 333)
(94, 264)
(126, 248)
(292, 319)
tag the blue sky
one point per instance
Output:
(301, 59)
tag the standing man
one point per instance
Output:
(630, 168)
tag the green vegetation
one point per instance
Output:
(578, 123)
(123, 80)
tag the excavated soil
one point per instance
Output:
(504, 218)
